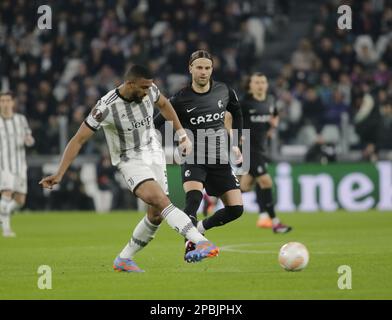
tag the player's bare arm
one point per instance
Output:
(229, 127)
(71, 151)
(274, 122)
(170, 114)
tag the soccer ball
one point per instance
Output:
(293, 256)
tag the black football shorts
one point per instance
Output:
(216, 178)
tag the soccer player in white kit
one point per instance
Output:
(126, 116)
(15, 134)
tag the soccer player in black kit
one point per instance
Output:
(261, 116)
(202, 106)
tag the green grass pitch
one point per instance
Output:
(80, 248)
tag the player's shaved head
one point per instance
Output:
(137, 72)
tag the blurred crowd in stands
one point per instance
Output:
(63, 71)
(335, 72)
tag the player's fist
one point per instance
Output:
(237, 155)
(50, 181)
(29, 141)
(185, 146)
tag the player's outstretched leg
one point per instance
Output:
(143, 233)
(151, 193)
(233, 210)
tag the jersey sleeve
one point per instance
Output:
(155, 93)
(26, 126)
(97, 116)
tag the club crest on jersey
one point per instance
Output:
(220, 104)
(97, 114)
(147, 102)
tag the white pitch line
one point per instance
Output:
(233, 248)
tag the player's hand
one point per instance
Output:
(185, 146)
(50, 181)
(29, 141)
(237, 154)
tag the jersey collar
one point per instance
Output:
(122, 97)
(204, 93)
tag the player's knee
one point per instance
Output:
(158, 201)
(245, 187)
(234, 212)
(265, 181)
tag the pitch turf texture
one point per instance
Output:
(80, 248)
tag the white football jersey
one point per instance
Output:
(13, 132)
(128, 126)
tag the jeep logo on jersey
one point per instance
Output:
(208, 118)
(220, 104)
(259, 118)
(137, 124)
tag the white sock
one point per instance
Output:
(13, 205)
(200, 227)
(275, 221)
(180, 222)
(5, 214)
(141, 236)
(264, 215)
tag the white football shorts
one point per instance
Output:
(144, 166)
(12, 182)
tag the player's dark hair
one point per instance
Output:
(137, 72)
(199, 54)
(7, 93)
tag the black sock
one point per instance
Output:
(259, 199)
(223, 216)
(266, 197)
(192, 203)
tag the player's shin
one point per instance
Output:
(180, 222)
(221, 217)
(267, 199)
(193, 200)
(14, 206)
(5, 214)
(141, 236)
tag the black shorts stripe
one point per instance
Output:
(90, 127)
(140, 183)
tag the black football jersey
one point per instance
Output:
(257, 115)
(206, 112)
